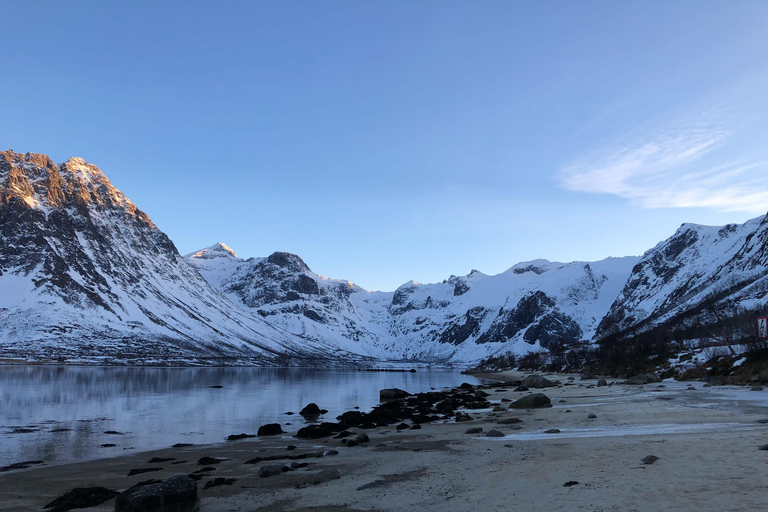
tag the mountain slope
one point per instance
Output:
(84, 272)
(692, 278)
(534, 304)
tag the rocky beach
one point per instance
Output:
(583, 446)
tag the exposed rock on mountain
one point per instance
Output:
(532, 305)
(84, 272)
(699, 277)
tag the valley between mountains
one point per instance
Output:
(86, 276)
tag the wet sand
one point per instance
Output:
(706, 439)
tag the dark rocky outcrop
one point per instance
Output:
(532, 401)
(178, 493)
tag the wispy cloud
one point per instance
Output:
(676, 164)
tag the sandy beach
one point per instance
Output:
(706, 440)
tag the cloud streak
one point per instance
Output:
(676, 165)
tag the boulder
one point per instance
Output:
(178, 493)
(591, 416)
(538, 382)
(650, 459)
(272, 470)
(392, 394)
(311, 410)
(494, 433)
(639, 380)
(270, 429)
(81, 497)
(533, 401)
(473, 430)
(319, 431)
(509, 421)
(552, 431)
(602, 382)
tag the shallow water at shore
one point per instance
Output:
(65, 413)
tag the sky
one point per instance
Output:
(388, 141)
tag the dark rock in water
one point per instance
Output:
(509, 421)
(108, 445)
(650, 459)
(415, 426)
(392, 394)
(474, 430)
(113, 433)
(206, 469)
(290, 447)
(494, 433)
(330, 453)
(764, 420)
(466, 385)
(533, 401)
(763, 447)
(157, 460)
(207, 461)
(182, 445)
(178, 493)
(591, 416)
(237, 437)
(639, 380)
(403, 426)
(217, 386)
(219, 481)
(690, 388)
(289, 413)
(319, 431)
(139, 471)
(81, 497)
(552, 431)
(273, 470)
(538, 382)
(756, 388)
(601, 383)
(570, 483)
(311, 410)
(270, 429)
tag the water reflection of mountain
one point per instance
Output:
(157, 407)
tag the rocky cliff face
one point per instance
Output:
(84, 272)
(694, 278)
(533, 305)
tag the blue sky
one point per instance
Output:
(389, 141)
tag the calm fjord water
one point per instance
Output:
(62, 413)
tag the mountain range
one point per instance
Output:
(85, 274)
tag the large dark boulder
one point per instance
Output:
(538, 382)
(270, 429)
(319, 431)
(178, 493)
(312, 410)
(81, 497)
(393, 394)
(533, 401)
(639, 380)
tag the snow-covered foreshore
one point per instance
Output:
(706, 440)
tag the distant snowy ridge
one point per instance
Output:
(533, 305)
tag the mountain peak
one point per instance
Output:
(217, 250)
(288, 261)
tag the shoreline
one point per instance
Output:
(440, 465)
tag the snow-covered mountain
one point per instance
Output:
(84, 272)
(532, 305)
(694, 278)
